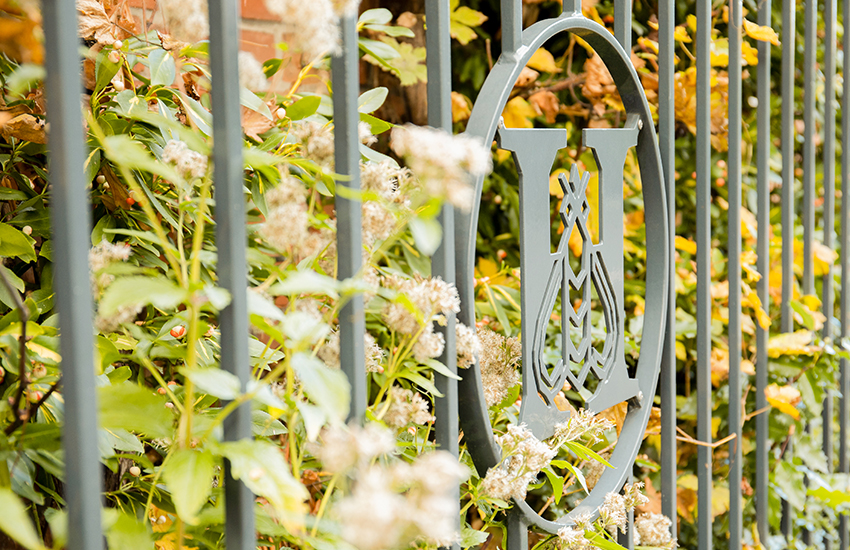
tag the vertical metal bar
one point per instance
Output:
(230, 242)
(810, 49)
(703, 238)
(345, 75)
(511, 25)
(71, 222)
(763, 251)
(810, 61)
(438, 42)
(736, 520)
(623, 23)
(844, 384)
(572, 6)
(789, 69)
(830, 23)
(667, 142)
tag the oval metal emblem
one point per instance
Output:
(546, 275)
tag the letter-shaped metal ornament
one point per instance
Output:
(596, 277)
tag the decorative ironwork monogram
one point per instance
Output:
(589, 285)
(547, 275)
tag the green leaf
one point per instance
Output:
(141, 291)
(200, 116)
(805, 313)
(262, 306)
(557, 483)
(252, 101)
(25, 77)
(326, 387)
(304, 107)
(579, 476)
(439, 367)
(391, 30)
(833, 498)
(125, 531)
(14, 244)
(372, 100)
(376, 125)
(427, 233)
(216, 382)
(131, 407)
(470, 537)
(306, 282)
(163, 70)
(380, 51)
(377, 16)
(15, 521)
(261, 467)
(189, 475)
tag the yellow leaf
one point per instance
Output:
(791, 343)
(502, 155)
(784, 398)
(692, 22)
(749, 54)
(543, 61)
(763, 33)
(752, 300)
(686, 245)
(720, 52)
(519, 114)
(719, 500)
(824, 257)
(461, 107)
(681, 34)
(488, 269)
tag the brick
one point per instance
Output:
(149, 4)
(256, 9)
(261, 44)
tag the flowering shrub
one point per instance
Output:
(162, 398)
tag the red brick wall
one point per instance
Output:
(260, 31)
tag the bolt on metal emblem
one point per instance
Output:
(593, 279)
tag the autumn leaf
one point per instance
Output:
(519, 114)
(791, 343)
(409, 66)
(25, 127)
(686, 245)
(784, 398)
(20, 34)
(462, 20)
(546, 104)
(461, 107)
(762, 33)
(681, 35)
(94, 23)
(543, 61)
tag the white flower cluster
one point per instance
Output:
(401, 504)
(583, 425)
(101, 256)
(251, 73)
(287, 227)
(317, 141)
(186, 20)
(613, 515)
(523, 456)
(386, 181)
(329, 352)
(344, 448)
(189, 163)
(433, 298)
(443, 163)
(407, 407)
(313, 26)
(653, 530)
(498, 364)
(468, 345)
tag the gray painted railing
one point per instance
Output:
(71, 221)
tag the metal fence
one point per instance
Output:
(71, 222)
